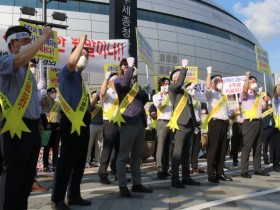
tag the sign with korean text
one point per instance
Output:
(49, 51)
(233, 85)
(53, 78)
(113, 68)
(101, 52)
(123, 21)
(192, 74)
(145, 51)
(262, 60)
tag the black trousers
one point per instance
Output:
(181, 151)
(236, 140)
(19, 160)
(196, 145)
(71, 163)
(54, 144)
(268, 134)
(217, 147)
(111, 140)
(276, 148)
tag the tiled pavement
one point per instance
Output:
(257, 193)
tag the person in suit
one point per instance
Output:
(268, 125)
(183, 123)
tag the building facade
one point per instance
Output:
(199, 30)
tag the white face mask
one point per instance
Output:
(162, 89)
(254, 86)
(192, 92)
(269, 102)
(33, 70)
(82, 63)
(53, 95)
(23, 47)
(166, 89)
(219, 86)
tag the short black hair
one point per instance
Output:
(252, 77)
(51, 89)
(161, 82)
(85, 48)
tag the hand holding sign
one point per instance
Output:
(47, 32)
(185, 63)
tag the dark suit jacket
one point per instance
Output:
(176, 92)
(265, 121)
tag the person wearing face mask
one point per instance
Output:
(268, 125)
(252, 130)
(196, 144)
(164, 108)
(74, 121)
(53, 115)
(218, 122)
(183, 125)
(276, 137)
(21, 125)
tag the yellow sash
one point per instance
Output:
(253, 113)
(95, 111)
(267, 112)
(195, 104)
(125, 103)
(277, 121)
(14, 113)
(163, 106)
(112, 109)
(172, 124)
(53, 111)
(216, 108)
(154, 123)
(75, 117)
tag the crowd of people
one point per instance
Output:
(111, 123)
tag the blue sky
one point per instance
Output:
(262, 17)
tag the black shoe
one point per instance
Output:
(168, 173)
(213, 179)
(161, 175)
(80, 202)
(141, 188)
(234, 163)
(261, 173)
(124, 192)
(46, 169)
(59, 206)
(105, 180)
(246, 175)
(223, 177)
(266, 162)
(277, 168)
(177, 184)
(190, 181)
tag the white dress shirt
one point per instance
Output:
(158, 100)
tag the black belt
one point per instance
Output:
(216, 119)
(255, 119)
(31, 121)
(163, 120)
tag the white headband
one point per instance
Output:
(216, 78)
(123, 66)
(19, 35)
(113, 77)
(175, 74)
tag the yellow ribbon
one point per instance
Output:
(125, 103)
(215, 109)
(75, 117)
(14, 114)
(253, 113)
(172, 124)
(277, 121)
(267, 112)
(154, 123)
(195, 104)
(163, 106)
(112, 109)
(95, 111)
(53, 111)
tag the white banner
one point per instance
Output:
(233, 85)
(100, 51)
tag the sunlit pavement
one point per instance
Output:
(256, 193)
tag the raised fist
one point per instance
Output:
(130, 61)
(107, 75)
(185, 63)
(209, 70)
(248, 74)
